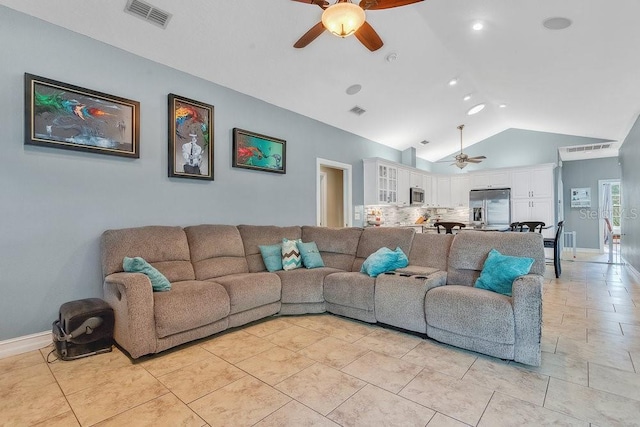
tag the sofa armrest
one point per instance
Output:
(439, 278)
(527, 311)
(131, 297)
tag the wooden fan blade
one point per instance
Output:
(385, 4)
(477, 157)
(322, 3)
(310, 35)
(473, 160)
(368, 37)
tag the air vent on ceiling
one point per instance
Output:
(148, 12)
(358, 110)
(424, 142)
(588, 148)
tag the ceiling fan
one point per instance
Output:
(344, 18)
(462, 159)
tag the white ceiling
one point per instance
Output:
(581, 81)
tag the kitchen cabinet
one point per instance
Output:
(429, 201)
(534, 182)
(460, 186)
(443, 191)
(416, 179)
(403, 187)
(380, 182)
(490, 179)
(532, 196)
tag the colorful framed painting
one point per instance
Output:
(61, 115)
(190, 138)
(259, 152)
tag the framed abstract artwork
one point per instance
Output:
(190, 138)
(259, 152)
(65, 116)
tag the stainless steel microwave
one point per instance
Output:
(416, 197)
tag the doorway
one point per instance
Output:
(333, 194)
(609, 224)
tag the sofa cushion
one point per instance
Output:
(374, 238)
(471, 312)
(337, 246)
(159, 283)
(272, 257)
(254, 235)
(189, 305)
(165, 248)
(499, 272)
(350, 289)
(430, 250)
(310, 255)
(291, 254)
(216, 250)
(304, 286)
(251, 290)
(470, 249)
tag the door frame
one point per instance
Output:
(347, 178)
(600, 210)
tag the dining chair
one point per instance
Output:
(514, 226)
(533, 226)
(449, 226)
(554, 242)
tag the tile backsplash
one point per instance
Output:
(394, 215)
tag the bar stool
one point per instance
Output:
(448, 226)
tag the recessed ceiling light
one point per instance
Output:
(467, 97)
(475, 109)
(557, 23)
(453, 82)
(353, 89)
(478, 26)
(502, 105)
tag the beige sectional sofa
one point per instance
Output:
(219, 281)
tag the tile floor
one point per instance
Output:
(325, 370)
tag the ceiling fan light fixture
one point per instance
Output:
(343, 19)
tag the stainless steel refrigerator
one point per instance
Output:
(491, 208)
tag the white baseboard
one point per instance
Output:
(24, 344)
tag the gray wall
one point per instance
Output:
(630, 159)
(54, 204)
(582, 174)
(515, 147)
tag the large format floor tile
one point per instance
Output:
(327, 370)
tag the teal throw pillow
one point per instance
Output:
(159, 283)
(272, 257)
(310, 255)
(384, 259)
(499, 272)
(290, 254)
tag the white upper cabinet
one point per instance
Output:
(380, 182)
(416, 179)
(443, 191)
(429, 199)
(460, 186)
(490, 179)
(534, 182)
(403, 187)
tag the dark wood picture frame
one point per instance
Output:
(259, 152)
(62, 115)
(190, 138)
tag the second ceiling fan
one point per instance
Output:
(344, 18)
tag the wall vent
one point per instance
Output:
(148, 12)
(358, 110)
(588, 148)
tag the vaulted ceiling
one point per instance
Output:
(581, 81)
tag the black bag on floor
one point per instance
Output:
(84, 328)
